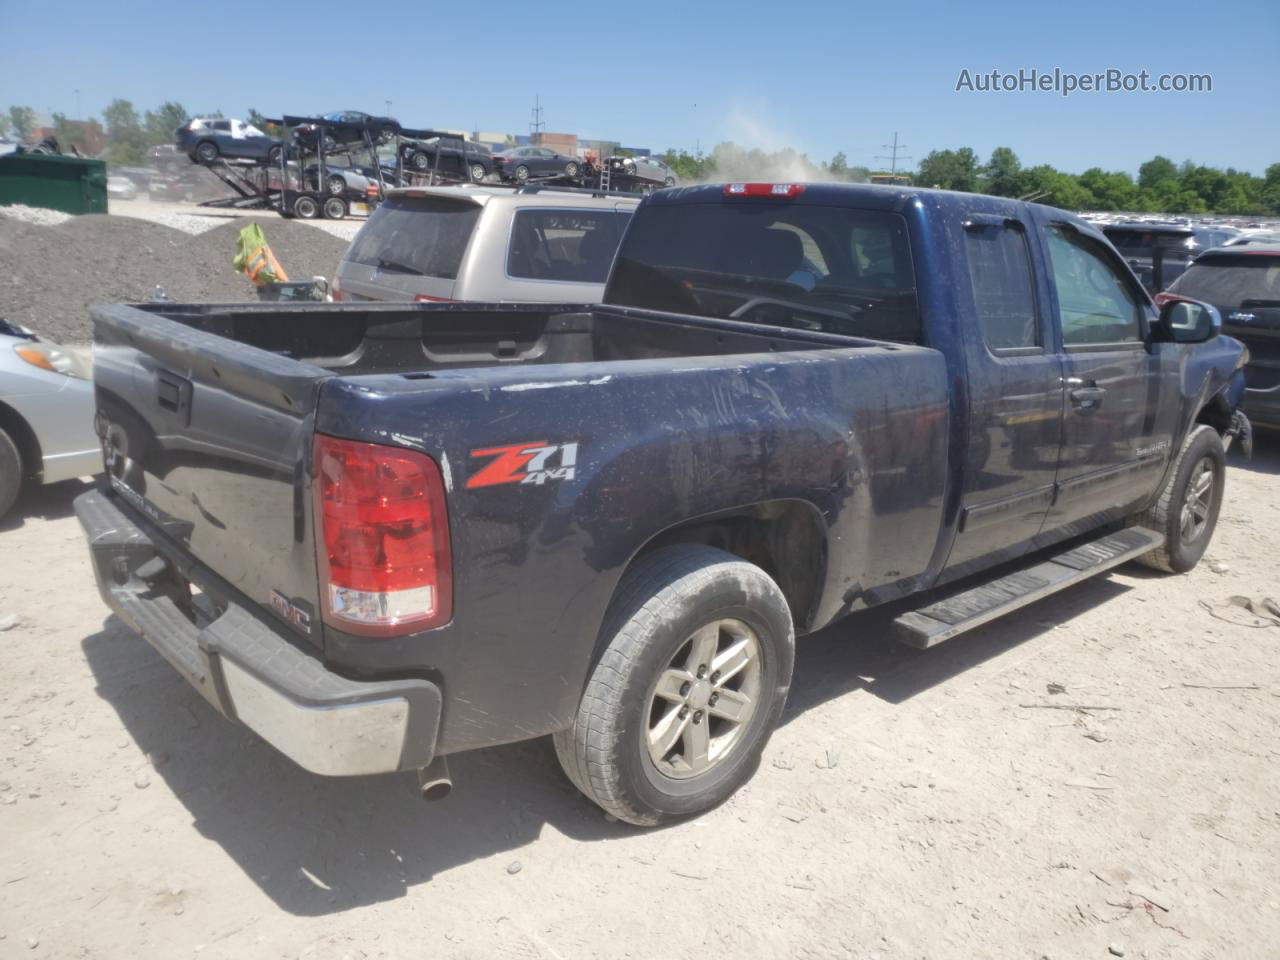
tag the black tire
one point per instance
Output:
(10, 473)
(478, 172)
(669, 182)
(1201, 451)
(571, 169)
(336, 185)
(207, 151)
(273, 156)
(420, 161)
(335, 208)
(386, 134)
(522, 173)
(306, 208)
(662, 602)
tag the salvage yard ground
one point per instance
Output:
(944, 804)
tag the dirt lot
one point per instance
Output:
(912, 804)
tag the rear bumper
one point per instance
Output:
(246, 669)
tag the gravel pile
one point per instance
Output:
(20, 211)
(53, 273)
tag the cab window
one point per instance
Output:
(1095, 303)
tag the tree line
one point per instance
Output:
(1160, 187)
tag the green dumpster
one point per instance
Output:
(70, 184)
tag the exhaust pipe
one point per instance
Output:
(434, 782)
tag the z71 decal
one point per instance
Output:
(531, 462)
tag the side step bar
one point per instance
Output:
(929, 626)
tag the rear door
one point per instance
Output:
(1118, 418)
(411, 247)
(1015, 408)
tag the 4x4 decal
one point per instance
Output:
(528, 462)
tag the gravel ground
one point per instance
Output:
(54, 272)
(913, 804)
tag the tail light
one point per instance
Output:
(1165, 297)
(383, 538)
(426, 298)
(335, 289)
(763, 189)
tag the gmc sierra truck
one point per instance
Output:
(379, 534)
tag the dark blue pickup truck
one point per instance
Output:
(379, 534)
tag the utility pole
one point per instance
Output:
(536, 124)
(895, 153)
(388, 103)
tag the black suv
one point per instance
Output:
(1244, 284)
(1175, 244)
(451, 156)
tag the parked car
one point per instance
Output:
(451, 156)
(121, 188)
(429, 528)
(522, 163)
(209, 139)
(1244, 284)
(347, 127)
(339, 180)
(46, 414)
(485, 244)
(1178, 245)
(646, 168)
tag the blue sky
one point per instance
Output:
(822, 77)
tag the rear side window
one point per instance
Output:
(573, 246)
(830, 269)
(421, 236)
(1228, 281)
(1000, 271)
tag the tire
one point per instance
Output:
(335, 208)
(273, 156)
(669, 182)
(306, 208)
(664, 605)
(207, 151)
(386, 134)
(10, 473)
(571, 169)
(420, 161)
(522, 174)
(1186, 537)
(478, 172)
(336, 185)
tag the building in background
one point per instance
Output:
(565, 143)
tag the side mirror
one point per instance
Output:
(1188, 321)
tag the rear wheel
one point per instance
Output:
(207, 151)
(336, 185)
(273, 155)
(684, 697)
(420, 161)
(478, 172)
(306, 208)
(1187, 510)
(10, 472)
(335, 208)
(669, 182)
(522, 173)
(571, 169)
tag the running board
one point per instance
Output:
(929, 626)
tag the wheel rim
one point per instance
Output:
(477, 172)
(337, 185)
(522, 173)
(1199, 500)
(571, 170)
(420, 161)
(702, 702)
(207, 151)
(335, 209)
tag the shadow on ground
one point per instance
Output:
(317, 845)
(52, 502)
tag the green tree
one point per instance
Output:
(126, 139)
(950, 170)
(1157, 172)
(161, 123)
(1003, 173)
(1269, 192)
(839, 165)
(22, 120)
(1111, 191)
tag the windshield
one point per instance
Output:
(832, 269)
(423, 236)
(1229, 281)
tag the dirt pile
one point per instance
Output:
(53, 273)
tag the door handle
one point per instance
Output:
(1086, 394)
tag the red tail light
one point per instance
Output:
(763, 189)
(335, 289)
(383, 538)
(1165, 297)
(424, 298)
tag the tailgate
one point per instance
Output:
(208, 438)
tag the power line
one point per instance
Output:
(536, 124)
(895, 153)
